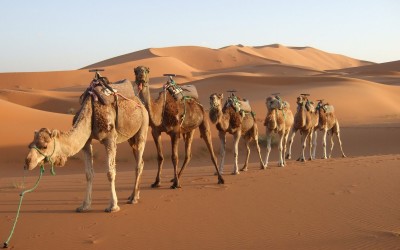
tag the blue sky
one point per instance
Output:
(47, 35)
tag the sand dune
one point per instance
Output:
(324, 204)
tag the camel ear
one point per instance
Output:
(221, 96)
(148, 69)
(55, 133)
(35, 133)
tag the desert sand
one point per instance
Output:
(338, 203)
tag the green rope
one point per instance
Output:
(20, 203)
(46, 159)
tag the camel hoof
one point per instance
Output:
(288, 157)
(82, 209)
(221, 180)
(344, 156)
(281, 165)
(235, 173)
(302, 160)
(134, 201)
(244, 169)
(155, 185)
(175, 186)
(112, 209)
(324, 157)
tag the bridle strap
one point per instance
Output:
(47, 158)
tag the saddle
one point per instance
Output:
(240, 106)
(106, 93)
(181, 92)
(310, 106)
(327, 108)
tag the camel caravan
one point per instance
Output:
(113, 113)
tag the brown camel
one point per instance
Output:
(305, 121)
(328, 123)
(228, 120)
(174, 117)
(279, 120)
(96, 121)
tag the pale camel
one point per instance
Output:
(96, 121)
(174, 117)
(228, 120)
(305, 121)
(328, 123)
(279, 120)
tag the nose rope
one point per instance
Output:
(47, 159)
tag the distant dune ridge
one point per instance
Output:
(338, 203)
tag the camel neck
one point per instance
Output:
(72, 141)
(153, 107)
(219, 118)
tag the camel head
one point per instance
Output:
(44, 149)
(216, 101)
(301, 100)
(141, 76)
(273, 103)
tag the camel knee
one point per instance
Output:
(111, 176)
(89, 176)
(160, 158)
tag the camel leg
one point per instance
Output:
(336, 128)
(111, 150)
(188, 151)
(88, 158)
(222, 138)
(236, 139)
(304, 138)
(332, 145)
(269, 138)
(246, 163)
(280, 150)
(255, 134)
(314, 145)
(292, 134)
(175, 159)
(310, 140)
(324, 144)
(206, 135)
(160, 158)
(138, 144)
(285, 138)
(340, 144)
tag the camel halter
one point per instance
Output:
(46, 159)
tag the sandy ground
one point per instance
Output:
(339, 203)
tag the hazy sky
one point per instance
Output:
(46, 35)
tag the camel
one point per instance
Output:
(227, 120)
(96, 121)
(328, 123)
(305, 121)
(279, 120)
(174, 117)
